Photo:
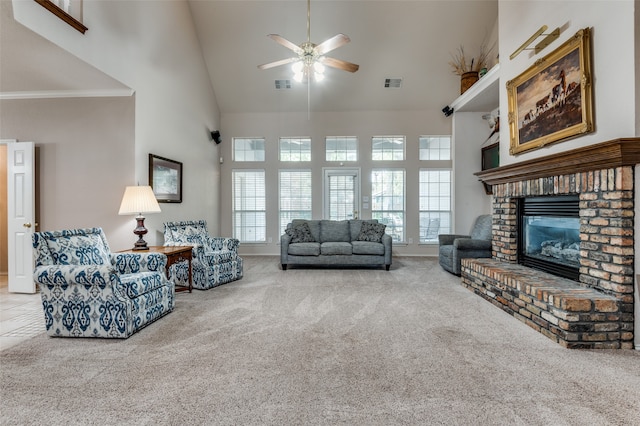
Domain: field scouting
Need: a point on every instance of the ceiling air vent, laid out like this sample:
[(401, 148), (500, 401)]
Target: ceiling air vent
[(283, 84), (392, 83)]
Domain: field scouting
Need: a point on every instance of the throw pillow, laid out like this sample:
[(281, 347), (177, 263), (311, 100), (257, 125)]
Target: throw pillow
[(300, 234), (371, 232)]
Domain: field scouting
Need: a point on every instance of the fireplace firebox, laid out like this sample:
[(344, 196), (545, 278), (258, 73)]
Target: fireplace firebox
[(549, 234)]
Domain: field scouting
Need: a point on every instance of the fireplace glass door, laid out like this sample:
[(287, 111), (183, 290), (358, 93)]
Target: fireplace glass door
[(550, 235)]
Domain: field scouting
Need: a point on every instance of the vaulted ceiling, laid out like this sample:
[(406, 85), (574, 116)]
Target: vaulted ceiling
[(411, 40)]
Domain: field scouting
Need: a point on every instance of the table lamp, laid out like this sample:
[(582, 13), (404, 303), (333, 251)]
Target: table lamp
[(139, 200)]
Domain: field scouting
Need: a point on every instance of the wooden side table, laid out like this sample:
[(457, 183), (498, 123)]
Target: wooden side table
[(174, 254)]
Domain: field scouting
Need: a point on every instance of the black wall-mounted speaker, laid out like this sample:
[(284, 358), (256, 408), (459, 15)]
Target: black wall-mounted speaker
[(215, 136)]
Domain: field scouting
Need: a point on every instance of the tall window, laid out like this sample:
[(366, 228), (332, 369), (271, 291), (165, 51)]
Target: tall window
[(341, 148), (295, 196), (387, 148), (387, 200), (435, 204), (295, 149), (249, 205), (248, 149), (435, 147), (435, 187)]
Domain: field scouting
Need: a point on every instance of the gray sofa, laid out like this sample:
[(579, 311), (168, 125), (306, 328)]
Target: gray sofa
[(335, 243)]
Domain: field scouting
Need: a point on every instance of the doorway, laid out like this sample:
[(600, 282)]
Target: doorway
[(341, 194)]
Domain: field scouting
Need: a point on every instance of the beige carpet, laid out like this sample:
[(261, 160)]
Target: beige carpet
[(315, 346)]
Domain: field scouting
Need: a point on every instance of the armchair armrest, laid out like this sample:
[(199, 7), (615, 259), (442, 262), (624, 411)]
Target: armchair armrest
[(222, 243), (448, 239), (131, 263), (471, 244), (87, 276)]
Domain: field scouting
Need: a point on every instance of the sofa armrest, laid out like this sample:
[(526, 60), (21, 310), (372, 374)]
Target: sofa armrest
[(285, 240), (448, 239), (387, 242), (131, 263), (471, 244)]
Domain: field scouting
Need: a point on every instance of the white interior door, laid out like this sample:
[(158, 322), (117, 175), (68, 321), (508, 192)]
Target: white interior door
[(21, 215), (341, 194)]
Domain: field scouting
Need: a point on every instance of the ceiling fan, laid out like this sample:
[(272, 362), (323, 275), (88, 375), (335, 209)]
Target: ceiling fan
[(310, 55)]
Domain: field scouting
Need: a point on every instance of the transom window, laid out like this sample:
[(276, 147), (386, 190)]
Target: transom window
[(387, 200), (341, 148), (387, 148), (249, 205), (295, 149), (435, 147), (295, 196), (248, 149)]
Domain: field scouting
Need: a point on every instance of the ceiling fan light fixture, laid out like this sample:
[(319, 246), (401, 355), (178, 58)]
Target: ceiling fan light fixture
[(318, 68), (297, 67)]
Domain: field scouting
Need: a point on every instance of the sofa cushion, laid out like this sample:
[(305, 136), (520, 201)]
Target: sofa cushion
[(304, 249), (371, 232), (334, 231), (367, 247), (335, 248), (314, 227), (300, 233)]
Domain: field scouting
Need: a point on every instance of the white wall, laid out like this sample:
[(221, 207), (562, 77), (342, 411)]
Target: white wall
[(85, 156), (152, 48), (363, 125), (614, 82)]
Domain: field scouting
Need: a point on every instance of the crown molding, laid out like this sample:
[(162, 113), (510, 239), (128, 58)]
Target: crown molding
[(48, 94)]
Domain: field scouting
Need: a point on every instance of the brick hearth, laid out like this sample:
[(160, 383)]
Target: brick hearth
[(597, 311)]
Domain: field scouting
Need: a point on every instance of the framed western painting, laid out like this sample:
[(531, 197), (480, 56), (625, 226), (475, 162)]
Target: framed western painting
[(165, 177), (552, 100)]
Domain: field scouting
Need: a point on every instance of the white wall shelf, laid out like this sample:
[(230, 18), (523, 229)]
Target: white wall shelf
[(483, 96)]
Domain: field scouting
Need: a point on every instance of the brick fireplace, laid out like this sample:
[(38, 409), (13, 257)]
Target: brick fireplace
[(596, 310)]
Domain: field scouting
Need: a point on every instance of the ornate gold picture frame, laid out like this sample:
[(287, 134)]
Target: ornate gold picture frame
[(552, 100)]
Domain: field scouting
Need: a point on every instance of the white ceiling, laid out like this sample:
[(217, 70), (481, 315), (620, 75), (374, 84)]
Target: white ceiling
[(412, 40)]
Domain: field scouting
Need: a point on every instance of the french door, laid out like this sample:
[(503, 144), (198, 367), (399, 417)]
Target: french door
[(341, 194)]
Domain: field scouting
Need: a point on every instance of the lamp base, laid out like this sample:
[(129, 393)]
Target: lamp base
[(140, 230)]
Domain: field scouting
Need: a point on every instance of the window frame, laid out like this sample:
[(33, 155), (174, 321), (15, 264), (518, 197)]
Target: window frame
[(393, 213), (282, 226), (234, 210)]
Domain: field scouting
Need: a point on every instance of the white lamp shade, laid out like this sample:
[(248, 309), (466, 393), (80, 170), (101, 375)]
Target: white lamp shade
[(139, 199)]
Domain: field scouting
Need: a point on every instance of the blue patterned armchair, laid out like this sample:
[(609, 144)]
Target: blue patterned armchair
[(215, 260), (87, 291)]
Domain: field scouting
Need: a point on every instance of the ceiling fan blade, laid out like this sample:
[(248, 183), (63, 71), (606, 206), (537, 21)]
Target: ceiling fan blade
[(286, 43), (277, 63), (332, 43), (340, 64)]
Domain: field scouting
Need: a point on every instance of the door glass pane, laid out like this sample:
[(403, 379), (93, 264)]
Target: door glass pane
[(341, 197)]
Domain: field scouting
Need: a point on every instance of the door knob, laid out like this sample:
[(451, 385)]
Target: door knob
[(27, 225)]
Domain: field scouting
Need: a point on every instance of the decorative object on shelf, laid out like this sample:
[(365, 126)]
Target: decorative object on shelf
[(552, 100), (139, 200), (467, 80), (468, 72), (544, 43), (165, 177)]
